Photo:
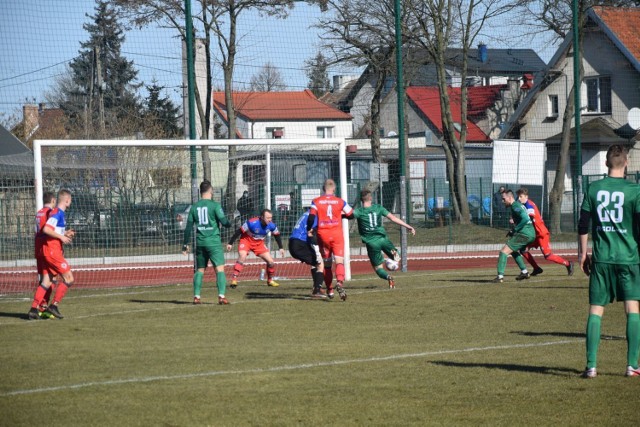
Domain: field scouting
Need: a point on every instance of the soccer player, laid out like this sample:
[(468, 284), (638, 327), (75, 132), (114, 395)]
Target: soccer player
[(612, 204), (305, 248), (374, 236), (208, 216), (253, 232), (520, 236), (53, 255), (328, 210), (48, 204), (542, 237)]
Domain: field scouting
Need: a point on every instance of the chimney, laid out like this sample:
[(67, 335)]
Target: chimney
[(482, 53), (30, 118)]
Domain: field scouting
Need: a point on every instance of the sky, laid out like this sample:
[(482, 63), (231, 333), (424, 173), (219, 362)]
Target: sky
[(38, 39)]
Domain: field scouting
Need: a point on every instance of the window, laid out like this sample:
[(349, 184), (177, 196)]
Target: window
[(553, 109), (596, 95), (324, 132), (275, 133)]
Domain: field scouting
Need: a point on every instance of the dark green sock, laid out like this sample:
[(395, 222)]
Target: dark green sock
[(382, 273), (502, 263), (593, 339), (221, 281), (197, 283), (518, 259), (633, 339)]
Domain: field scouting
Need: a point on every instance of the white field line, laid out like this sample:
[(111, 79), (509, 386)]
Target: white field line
[(140, 380)]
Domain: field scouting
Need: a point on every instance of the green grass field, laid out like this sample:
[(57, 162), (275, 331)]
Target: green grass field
[(444, 348)]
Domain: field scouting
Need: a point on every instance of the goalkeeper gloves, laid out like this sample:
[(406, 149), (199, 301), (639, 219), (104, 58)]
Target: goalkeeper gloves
[(511, 233)]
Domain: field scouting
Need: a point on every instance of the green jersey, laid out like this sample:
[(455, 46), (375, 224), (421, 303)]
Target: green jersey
[(370, 222), (612, 204), (207, 215), (521, 220)]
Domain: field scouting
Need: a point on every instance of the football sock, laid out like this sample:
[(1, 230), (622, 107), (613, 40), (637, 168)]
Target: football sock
[(61, 290), (237, 269), (318, 278), (527, 255), (328, 277), (557, 259), (197, 283), (382, 273), (633, 339), (47, 295), (39, 296), (340, 272), (518, 259), (502, 263), (271, 271), (221, 281), (593, 339)]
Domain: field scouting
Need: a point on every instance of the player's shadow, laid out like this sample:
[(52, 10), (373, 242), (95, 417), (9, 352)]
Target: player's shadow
[(510, 367), (15, 315), (265, 295), (158, 301), (561, 287), (565, 335)]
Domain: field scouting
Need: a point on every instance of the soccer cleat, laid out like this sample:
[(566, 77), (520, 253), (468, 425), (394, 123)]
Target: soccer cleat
[(233, 284), (223, 301), (537, 271), (498, 279), (392, 283), (318, 293), (273, 284), (34, 314), (196, 300), (53, 310), (330, 293), (589, 373), (341, 292), (570, 268), (631, 372), (523, 276)]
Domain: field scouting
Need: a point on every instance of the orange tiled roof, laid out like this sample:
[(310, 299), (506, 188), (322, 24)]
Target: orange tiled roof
[(263, 106), (624, 23)]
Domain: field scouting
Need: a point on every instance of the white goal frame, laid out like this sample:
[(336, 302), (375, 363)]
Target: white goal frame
[(318, 143)]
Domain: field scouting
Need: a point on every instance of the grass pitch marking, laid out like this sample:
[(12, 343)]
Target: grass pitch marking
[(283, 368)]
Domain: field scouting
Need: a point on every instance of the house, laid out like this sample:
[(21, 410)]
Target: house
[(16, 161), (283, 115), (611, 62), (40, 122), (486, 67)]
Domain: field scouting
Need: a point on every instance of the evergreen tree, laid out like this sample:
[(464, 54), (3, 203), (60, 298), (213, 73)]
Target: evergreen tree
[(317, 72), (161, 113), (104, 82)]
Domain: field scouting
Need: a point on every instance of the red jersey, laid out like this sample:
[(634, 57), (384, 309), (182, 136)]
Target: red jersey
[(329, 209), (536, 218), (41, 219)]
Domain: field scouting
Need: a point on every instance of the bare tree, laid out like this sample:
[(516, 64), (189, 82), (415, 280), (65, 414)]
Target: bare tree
[(436, 25), (362, 33), (268, 79)]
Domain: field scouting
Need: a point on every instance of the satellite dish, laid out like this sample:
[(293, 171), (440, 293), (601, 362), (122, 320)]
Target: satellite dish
[(633, 118)]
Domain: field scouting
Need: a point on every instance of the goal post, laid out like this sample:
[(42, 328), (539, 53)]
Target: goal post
[(130, 196)]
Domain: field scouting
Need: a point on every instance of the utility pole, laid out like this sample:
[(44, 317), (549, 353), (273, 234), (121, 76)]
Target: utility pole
[(100, 91)]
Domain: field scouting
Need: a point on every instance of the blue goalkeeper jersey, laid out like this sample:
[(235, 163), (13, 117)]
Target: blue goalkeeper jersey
[(300, 230)]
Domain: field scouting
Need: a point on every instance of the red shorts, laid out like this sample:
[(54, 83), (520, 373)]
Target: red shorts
[(252, 245), (332, 243), (54, 262), (543, 243)]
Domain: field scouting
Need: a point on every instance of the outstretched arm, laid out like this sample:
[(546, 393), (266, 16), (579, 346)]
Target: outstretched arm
[(398, 221)]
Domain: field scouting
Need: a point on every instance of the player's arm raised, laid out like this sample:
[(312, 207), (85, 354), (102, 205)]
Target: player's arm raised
[(398, 221)]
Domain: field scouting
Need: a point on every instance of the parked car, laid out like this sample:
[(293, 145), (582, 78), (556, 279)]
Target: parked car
[(153, 223)]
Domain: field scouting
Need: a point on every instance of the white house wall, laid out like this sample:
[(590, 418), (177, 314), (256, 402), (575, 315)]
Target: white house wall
[(305, 130)]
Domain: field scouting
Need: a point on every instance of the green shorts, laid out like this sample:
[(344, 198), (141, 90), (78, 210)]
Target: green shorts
[(375, 247), (613, 282), (206, 253), (519, 241)]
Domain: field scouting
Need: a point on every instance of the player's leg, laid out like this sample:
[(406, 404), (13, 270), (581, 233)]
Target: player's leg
[(545, 247), (629, 291), (526, 254), (327, 260), (503, 256), (243, 251), (517, 243), (600, 281), (198, 277), (39, 295), (216, 256), (271, 266)]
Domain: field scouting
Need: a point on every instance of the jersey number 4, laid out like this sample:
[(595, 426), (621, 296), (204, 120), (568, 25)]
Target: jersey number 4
[(605, 212)]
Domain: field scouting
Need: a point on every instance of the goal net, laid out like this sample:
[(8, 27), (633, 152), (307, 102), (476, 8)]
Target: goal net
[(131, 198)]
